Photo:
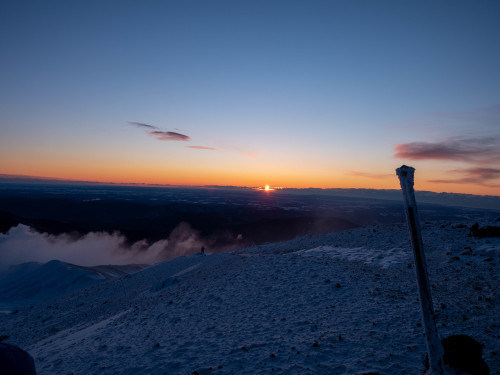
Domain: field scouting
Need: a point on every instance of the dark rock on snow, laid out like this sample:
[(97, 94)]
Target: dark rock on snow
[(486, 231), (15, 361), (463, 355)]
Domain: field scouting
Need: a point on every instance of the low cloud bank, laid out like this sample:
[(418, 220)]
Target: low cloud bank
[(24, 244)]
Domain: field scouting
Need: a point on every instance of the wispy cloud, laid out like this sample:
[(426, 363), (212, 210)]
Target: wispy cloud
[(475, 150), (142, 125), (202, 148), (482, 155), (472, 150), (161, 135), (482, 173), (477, 175), (169, 136)]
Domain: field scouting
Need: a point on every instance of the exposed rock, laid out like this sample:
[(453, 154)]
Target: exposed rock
[(15, 361), (486, 231), (463, 355)]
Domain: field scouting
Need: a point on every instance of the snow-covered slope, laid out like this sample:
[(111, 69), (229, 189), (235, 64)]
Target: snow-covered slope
[(340, 303), (29, 282)]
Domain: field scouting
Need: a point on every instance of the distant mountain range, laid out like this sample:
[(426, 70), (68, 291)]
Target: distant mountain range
[(447, 199)]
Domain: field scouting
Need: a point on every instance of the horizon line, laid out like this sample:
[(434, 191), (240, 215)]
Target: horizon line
[(143, 184)]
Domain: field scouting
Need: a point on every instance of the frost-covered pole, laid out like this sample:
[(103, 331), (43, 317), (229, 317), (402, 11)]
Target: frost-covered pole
[(434, 347)]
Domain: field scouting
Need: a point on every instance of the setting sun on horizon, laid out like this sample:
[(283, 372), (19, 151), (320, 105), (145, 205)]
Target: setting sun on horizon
[(298, 94)]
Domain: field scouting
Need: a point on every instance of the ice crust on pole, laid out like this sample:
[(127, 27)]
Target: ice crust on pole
[(434, 347)]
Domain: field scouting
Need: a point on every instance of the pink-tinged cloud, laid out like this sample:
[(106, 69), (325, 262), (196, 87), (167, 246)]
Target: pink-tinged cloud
[(168, 136), (202, 148), (482, 173), (160, 134), (484, 150), (478, 176)]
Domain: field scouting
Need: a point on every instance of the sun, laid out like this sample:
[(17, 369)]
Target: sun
[(267, 188)]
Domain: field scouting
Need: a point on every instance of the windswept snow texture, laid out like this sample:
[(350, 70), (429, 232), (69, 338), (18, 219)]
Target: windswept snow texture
[(29, 282), (339, 303)]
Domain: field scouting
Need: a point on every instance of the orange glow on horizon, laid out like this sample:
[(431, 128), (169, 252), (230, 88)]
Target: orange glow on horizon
[(157, 168), (178, 176)]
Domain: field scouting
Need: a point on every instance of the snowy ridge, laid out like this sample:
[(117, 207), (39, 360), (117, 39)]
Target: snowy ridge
[(331, 304), (29, 282), (113, 271)]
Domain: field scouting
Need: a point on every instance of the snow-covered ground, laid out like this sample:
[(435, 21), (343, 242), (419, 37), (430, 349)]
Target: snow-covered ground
[(340, 303), (31, 282)]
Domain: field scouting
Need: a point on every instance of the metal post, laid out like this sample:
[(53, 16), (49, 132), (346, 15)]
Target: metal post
[(434, 347)]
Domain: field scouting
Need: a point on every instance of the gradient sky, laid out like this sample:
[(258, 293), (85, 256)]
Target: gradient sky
[(286, 93)]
